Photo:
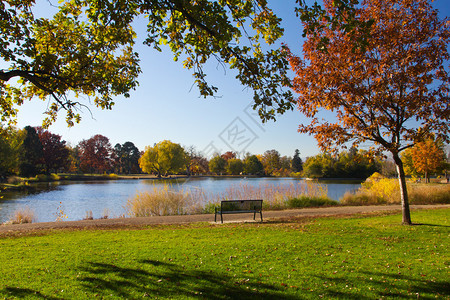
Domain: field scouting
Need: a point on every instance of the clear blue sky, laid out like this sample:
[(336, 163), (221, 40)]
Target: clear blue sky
[(166, 105)]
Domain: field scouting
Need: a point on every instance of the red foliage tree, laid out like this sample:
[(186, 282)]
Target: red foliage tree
[(95, 154), (55, 151), (229, 155), (393, 93)]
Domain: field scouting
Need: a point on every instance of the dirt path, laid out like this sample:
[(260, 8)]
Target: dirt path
[(267, 215)]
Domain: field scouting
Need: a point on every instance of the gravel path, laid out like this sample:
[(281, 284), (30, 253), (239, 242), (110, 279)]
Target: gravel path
[(144, 221)]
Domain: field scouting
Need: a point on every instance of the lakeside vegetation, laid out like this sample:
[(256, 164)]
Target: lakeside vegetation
[(169, 200), (358, 257)]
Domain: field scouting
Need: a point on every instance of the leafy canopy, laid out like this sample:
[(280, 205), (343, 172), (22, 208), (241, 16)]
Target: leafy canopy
[(393, 92), (164, 158), (86, 50)]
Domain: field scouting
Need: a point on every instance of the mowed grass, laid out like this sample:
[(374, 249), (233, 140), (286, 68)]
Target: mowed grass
[(353, 258)]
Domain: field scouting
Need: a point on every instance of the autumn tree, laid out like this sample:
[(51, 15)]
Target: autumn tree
[(11, 141), (393, 93), (164, 158), (95, 154), (74, 165), (229, 155), (271, 161), (234, 166), (424, 158), (217, 164), (87, 48), (197, 163), (55, 153)]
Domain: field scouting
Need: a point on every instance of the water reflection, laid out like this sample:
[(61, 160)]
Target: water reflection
[(110, 197)]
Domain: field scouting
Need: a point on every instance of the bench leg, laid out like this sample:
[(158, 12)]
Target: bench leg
[(261, 215), (215, 217), (221, 217)]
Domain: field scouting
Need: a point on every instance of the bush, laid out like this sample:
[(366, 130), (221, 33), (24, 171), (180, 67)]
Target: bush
[(22, 216), (113, 176)]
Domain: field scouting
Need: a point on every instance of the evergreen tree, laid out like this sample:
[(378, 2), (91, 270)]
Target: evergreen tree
[(32, 153), (297, 163)]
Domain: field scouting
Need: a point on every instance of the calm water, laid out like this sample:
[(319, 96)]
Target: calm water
[(110, 197)]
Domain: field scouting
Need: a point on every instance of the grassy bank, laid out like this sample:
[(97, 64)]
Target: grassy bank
[(353, 258)]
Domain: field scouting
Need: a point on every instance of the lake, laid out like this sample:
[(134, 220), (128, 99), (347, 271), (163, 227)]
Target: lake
[(110, 197)]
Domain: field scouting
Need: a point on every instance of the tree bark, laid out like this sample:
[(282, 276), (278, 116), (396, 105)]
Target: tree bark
[(406, 215)]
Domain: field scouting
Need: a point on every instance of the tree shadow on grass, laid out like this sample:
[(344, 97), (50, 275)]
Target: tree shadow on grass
[(387, 285), (431, 225), (15, 292), (172, 280)]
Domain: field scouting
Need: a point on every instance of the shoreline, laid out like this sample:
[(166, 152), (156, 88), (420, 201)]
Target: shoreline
[(288, 215)]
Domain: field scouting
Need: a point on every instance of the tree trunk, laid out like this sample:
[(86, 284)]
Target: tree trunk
[(403, 191)]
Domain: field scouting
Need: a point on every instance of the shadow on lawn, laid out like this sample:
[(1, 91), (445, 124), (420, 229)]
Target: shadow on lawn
[(431, 225), (387, 285), (171, 280), (15, 292)]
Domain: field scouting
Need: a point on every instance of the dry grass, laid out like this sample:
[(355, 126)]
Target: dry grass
[(164, 201), (161, 202), (274, 196), (387, 191), (21, 216)]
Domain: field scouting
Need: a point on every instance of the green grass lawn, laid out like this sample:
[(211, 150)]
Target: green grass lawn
[(352, 258)]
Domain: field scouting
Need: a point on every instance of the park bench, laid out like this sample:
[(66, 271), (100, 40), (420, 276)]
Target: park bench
[(238, 206)]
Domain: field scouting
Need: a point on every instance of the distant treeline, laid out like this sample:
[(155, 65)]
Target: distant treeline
[(33, 150)]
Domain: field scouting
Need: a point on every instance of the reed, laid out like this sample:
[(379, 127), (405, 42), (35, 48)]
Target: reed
[(21, 216), (164, 201)]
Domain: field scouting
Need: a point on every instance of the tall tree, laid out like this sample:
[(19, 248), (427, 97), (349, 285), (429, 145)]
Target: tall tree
[(234, 166), (297, 163), (127, 158), (87, 48), (11, 141), (424, 158), (229, 155), (253, 166), (392, 93), (95, 154), (197, 163), (164, 158), (31, 153), (217, 164), (271, 161), (55, 153)]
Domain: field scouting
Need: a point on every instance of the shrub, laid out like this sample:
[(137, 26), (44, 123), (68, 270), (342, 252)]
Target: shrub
[(54, 177), (113, 176), (22, 215)]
